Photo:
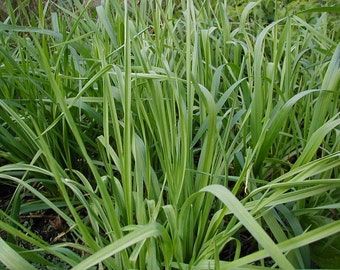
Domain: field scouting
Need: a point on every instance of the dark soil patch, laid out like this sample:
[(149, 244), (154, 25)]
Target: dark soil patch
[(45, 224), (6, 193)]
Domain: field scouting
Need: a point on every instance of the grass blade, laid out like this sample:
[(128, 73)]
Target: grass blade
[(12, 259), (248, 221), (140, 234)]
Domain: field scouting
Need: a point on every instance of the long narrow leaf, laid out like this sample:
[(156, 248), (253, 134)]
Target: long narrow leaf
[(140, 234), (248, 221), (12, 259)]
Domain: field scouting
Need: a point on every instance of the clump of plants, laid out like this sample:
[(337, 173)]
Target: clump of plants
[(185, 135)]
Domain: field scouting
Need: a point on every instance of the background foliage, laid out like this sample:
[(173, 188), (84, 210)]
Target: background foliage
[(177, 135)]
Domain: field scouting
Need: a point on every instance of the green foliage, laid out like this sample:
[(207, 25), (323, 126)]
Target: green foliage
[(185, 135), (325, 252)]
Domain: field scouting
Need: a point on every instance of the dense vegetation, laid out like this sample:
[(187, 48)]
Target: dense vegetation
[(170, 135)]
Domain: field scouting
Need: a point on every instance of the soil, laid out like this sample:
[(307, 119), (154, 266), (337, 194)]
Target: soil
[(45, 224)]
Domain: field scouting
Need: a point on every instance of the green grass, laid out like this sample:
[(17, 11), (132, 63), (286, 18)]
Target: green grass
[(185, 135)]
